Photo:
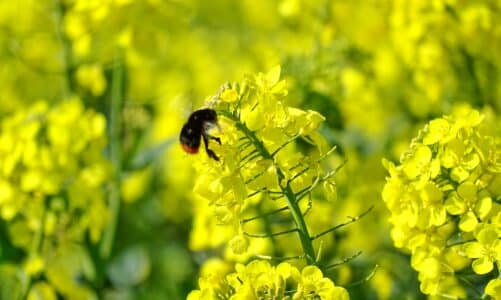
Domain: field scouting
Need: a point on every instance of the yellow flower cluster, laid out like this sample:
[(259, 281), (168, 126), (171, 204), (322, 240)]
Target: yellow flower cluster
[(260, 280), (255, 120), (52, 174), (260, 161), (84, 17), (444, 200), (443, 44), (264, 189)]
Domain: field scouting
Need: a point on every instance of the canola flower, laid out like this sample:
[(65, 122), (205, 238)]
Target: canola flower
[(260, 280), (51, 190), (444, 200), (261, 163)]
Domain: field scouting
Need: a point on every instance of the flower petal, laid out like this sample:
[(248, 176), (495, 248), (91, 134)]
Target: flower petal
[(493, 288), (483, 207), (473, 250), (482, 265), (487, 235), (468, 222)]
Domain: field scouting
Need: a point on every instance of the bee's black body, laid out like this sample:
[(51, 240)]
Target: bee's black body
[(197, 127)]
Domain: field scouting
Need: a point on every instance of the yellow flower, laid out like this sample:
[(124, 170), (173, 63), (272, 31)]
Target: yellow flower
[(256, 280), (135, 184), (239, 244), (229, 95), (437, 131), (91, 77), (472, 207), (270, 82), (312, 283), (42, 290), (486, 251), (34, 265), (461, 158), (493, 289), (421, 164)]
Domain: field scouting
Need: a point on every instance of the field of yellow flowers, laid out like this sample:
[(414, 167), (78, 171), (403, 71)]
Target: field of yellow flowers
[(356, 152)]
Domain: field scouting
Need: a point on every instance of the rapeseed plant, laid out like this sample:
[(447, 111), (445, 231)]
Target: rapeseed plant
[(264, 165), (444, 201), (53, 174)]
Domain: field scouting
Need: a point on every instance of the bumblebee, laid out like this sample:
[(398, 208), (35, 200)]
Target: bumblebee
[(197, 128)]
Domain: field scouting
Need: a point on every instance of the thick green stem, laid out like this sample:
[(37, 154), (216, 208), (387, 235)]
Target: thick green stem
[(292, 203), (115, 153), (304, 235)]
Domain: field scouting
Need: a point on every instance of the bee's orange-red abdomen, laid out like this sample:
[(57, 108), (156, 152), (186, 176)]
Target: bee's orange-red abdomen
[(188, 149)]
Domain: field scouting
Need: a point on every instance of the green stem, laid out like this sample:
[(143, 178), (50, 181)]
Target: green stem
[(292, 203), (473, 287), (67, 86), (304, 235), (115, 153), (36, 247), (476, 89)]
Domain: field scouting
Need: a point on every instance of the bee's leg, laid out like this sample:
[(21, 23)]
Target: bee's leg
[(206, 129), (218, 140), (209, 151)]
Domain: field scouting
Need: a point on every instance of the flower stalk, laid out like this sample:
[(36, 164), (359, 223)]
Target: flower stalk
[(115, 152), (292, 203)]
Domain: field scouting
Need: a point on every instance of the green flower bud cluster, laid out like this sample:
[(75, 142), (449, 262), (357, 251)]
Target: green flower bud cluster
[(444, 201)]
